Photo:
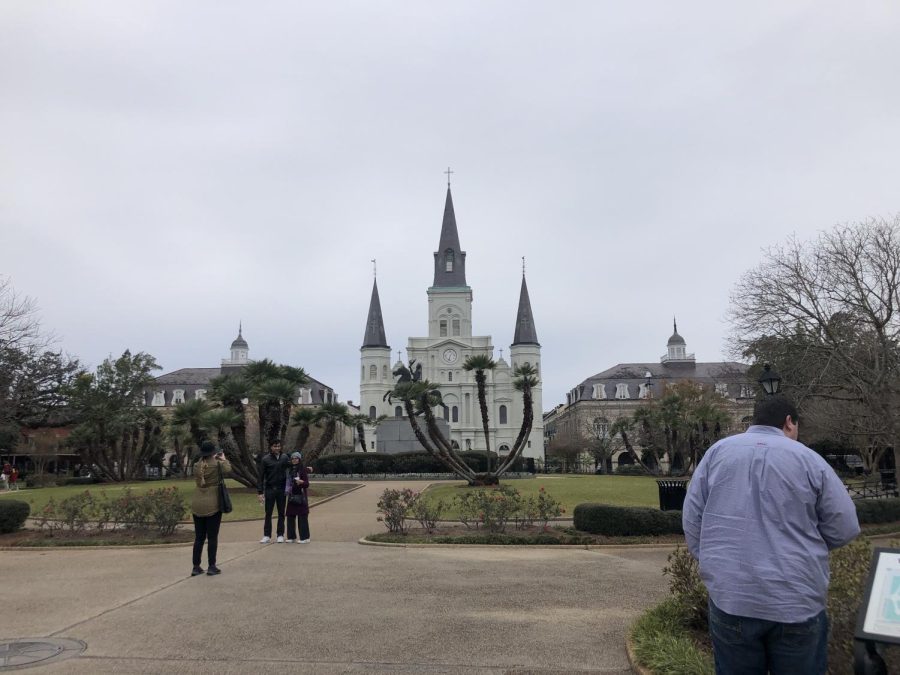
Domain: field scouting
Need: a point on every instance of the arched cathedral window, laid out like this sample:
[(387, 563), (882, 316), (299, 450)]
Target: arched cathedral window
[(373, 372), (449, 258)]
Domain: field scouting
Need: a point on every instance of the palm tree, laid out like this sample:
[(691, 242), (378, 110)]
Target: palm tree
[(360, 421), (220, 422), (273, 388), (304, 418), (420, 398), (479, 364), (190, 414), (329, 414), (525, 378)]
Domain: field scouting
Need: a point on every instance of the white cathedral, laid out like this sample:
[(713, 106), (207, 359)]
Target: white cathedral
[(442, 354)]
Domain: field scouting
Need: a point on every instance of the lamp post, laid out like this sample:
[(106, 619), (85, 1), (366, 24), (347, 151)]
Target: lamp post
[(770, 380)]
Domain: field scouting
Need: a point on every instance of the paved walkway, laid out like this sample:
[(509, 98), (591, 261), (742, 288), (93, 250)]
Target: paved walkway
[(333, 606)]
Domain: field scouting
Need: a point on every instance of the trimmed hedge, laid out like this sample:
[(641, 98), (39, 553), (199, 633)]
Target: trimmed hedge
[(407, 462), (871, 511), (626, 521), (81, 480), (12, 514), (630, 470)]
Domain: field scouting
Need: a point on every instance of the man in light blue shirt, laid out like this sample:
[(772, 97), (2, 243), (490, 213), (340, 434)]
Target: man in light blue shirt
[(761, 513)]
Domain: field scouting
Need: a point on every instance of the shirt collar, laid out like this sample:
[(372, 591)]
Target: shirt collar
[(763, 429)]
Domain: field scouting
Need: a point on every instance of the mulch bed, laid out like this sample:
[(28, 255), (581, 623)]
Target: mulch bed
[(37, 538), (535, 535)]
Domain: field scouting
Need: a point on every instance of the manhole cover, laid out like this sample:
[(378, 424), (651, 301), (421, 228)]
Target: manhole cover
[(24, 653)]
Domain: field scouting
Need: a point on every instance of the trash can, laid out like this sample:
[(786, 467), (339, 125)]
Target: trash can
[(672, 492)]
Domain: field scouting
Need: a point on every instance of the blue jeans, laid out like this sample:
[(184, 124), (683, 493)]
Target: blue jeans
[(745, 646)]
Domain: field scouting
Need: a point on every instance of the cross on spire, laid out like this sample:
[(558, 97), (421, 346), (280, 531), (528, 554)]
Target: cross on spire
[(523, 265), (374, 268), (448, 172)]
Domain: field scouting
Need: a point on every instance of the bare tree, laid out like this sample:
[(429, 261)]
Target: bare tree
[(20, 326), (828, 311)]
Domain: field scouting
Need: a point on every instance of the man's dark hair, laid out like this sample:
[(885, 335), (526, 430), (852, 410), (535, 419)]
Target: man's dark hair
[(771, 411), (274, 441)]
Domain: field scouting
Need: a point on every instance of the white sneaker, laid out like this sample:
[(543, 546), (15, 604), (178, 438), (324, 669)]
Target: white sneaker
[(265, 540), (304, 541), (280, 540), (291, 541)]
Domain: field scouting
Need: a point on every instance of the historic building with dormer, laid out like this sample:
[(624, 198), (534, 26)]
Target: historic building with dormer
[(595, 403), (185, 384), (443, 350)]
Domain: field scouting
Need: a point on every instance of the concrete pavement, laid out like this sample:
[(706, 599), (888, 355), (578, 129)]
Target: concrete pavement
[(333, 606)]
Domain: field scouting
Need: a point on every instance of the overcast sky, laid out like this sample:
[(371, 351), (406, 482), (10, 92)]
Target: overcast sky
[(170, 168)]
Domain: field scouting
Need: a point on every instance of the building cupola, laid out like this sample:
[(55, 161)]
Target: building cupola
[(676, 348)]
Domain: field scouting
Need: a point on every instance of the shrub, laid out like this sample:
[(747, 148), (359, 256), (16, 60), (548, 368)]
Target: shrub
[(74, 512), (490, 509), (161, 509), (548, 507), (129, 511), (626, 521), (407, 462), (870, 511), (687, 588), (13, 514), (630, 470), (165, 508), (40, 480), (80, 480), (427, 512), (394, 506)]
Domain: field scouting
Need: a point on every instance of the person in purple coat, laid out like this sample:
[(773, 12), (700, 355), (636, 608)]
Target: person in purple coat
[(296, 483)]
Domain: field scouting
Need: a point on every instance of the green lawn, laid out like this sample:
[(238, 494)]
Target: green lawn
[(571, 490), (244, 499)]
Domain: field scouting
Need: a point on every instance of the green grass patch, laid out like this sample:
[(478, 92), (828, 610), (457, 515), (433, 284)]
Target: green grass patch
[(246, 505), (569, 490), (663, 643)]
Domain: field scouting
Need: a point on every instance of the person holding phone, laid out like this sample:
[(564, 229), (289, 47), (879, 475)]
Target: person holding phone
[(297, 511), (209, 470)]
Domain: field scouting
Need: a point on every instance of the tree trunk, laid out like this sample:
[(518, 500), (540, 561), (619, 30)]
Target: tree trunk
[(482, 403)]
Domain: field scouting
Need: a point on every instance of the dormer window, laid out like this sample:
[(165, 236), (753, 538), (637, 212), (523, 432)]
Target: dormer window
[(599, 392), (722, 389), (622, 391), (449, 259)]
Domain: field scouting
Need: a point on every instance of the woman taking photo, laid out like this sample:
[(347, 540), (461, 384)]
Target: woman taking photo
[(297, 500), (209, 472)]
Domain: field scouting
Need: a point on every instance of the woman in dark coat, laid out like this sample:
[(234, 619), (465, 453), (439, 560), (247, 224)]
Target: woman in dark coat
[(296, 483)]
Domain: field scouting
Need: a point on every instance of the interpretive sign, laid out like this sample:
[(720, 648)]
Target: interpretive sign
[(879, 614)]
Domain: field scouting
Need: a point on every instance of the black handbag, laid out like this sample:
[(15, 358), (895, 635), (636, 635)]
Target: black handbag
[(224, 497), (299, 497)]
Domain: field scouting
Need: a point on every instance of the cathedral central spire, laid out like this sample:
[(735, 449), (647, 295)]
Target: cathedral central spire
[(449, 259)]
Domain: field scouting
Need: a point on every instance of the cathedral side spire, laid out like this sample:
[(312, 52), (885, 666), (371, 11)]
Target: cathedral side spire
[(526, 333), (449, 259), (375, 336)]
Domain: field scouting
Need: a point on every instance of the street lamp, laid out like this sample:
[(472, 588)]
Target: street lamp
[(770, 380)]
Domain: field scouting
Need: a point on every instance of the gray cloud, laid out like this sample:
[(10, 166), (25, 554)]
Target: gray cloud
[(170, 168)]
